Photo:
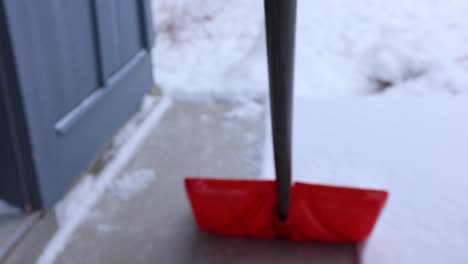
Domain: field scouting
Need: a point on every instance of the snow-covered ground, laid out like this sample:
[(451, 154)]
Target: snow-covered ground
[(216, 48), (201, 45), (416, 149), (345, 46)]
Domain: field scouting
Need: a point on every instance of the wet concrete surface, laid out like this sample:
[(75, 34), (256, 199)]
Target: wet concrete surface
[(153, 223)]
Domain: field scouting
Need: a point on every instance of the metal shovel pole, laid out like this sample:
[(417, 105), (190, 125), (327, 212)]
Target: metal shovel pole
[(280, 17)]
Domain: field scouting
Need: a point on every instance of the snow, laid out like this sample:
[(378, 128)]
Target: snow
[(343, 46), (131, 183), (6, 208), (199, 44), (414, 148), (74, 210), (215, 49), (65, 210), (246, 110)]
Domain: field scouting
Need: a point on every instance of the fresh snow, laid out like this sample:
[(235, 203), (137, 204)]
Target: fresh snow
[(344, 46), (211, 49), (201, 43), (416, 149)]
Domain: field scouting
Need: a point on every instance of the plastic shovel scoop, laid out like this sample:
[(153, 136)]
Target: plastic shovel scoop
[(268, 209)]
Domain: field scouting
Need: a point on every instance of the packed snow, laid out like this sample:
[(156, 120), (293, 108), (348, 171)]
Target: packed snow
[(66, 210), (131, 183), (245, 110)]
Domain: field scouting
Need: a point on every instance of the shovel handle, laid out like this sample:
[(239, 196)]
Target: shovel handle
[(280, 17)]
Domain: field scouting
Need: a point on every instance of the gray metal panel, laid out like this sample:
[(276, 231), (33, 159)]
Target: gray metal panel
[(94, 129), (62, 50), (120, 32), (53, 90), (77, 47), (130, 28)]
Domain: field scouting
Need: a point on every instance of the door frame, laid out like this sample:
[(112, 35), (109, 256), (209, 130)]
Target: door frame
[(15, 136)]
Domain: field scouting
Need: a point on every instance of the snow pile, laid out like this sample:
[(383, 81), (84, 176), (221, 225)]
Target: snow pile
[(6, 208), (347, 47), (212, 48)]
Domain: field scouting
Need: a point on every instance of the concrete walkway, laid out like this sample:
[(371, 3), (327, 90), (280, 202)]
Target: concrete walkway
[(145, 217)]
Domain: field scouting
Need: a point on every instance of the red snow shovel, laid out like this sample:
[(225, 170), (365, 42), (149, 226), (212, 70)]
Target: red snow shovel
[(277, 209)]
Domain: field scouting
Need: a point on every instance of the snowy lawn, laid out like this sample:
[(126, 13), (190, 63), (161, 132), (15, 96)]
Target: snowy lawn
[(216, 48), (348, 47)]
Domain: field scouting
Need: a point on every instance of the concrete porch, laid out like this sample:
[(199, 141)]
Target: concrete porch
[(151, 222)]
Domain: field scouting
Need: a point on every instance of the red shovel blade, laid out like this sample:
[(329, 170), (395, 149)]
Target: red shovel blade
[(247, 208)]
